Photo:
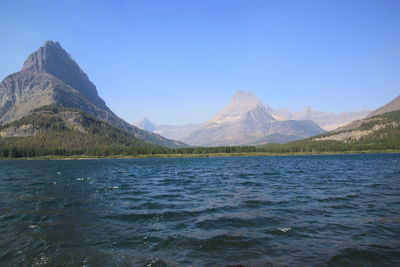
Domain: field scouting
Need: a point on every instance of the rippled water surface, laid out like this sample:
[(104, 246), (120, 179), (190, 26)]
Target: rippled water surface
[(257, 211)]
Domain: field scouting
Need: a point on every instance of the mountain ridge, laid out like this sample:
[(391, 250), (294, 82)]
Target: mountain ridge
[(391, 106)]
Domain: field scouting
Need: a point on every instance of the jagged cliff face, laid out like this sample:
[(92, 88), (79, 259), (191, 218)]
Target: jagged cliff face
[(246, 121), (51, 77)]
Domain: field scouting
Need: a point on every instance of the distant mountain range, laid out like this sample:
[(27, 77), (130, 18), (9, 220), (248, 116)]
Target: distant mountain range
[(381, 124), (381, 127), (327, 121), (51, 77), (245, 121), (379, 131), (233, 126), (51, 101)]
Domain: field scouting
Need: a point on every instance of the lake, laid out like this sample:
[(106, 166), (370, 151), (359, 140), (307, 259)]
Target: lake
[(328, 210)]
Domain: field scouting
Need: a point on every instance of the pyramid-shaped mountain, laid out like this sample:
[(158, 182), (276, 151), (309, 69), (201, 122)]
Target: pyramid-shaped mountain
[(51, 77), (246, 121)]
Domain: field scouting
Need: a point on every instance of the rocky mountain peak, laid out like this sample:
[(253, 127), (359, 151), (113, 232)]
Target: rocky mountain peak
[(46, 57), (240, 104), (51, 58), (245, 100)]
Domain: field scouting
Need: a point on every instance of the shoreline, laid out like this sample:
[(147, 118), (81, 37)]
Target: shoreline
[(205, 155)]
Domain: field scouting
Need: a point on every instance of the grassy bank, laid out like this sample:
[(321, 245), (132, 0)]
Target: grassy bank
[(203, 155)]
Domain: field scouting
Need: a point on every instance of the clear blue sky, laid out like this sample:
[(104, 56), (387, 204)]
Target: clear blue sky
[(180, 61)]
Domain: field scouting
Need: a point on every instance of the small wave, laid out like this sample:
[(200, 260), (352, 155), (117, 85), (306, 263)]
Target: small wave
[(284, 229), (340, 207), (223, 223), (167, 215), (107, 188), (223, 241), (257, 203), (249, 183), (41, 261), (167, 196), (237, 223), (245, 175), (112, 187), (338, 198), (156, 205), (83, 178), (270, 173), (295, 171), (152, 216), (376, 256), (155, 263)]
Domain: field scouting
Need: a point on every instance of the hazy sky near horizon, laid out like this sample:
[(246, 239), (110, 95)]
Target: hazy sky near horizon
[(180, 61)]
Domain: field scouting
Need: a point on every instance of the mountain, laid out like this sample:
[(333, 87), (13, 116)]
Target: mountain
[(391, 106), (177, 132), (245, 121), (327, 121), (241, 103), (145, 124), (378, 133), (51, 77), (365, 129), (245, 101), (54, 130)]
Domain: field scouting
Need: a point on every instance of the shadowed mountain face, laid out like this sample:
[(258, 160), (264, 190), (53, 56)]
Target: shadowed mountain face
[(246, 121), (393, 105), (51, 77)]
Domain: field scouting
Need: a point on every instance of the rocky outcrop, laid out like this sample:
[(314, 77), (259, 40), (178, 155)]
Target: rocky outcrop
[(20, 131), (42, 121)]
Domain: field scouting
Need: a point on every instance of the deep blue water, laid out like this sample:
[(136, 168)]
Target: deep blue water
[(257, 211)]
